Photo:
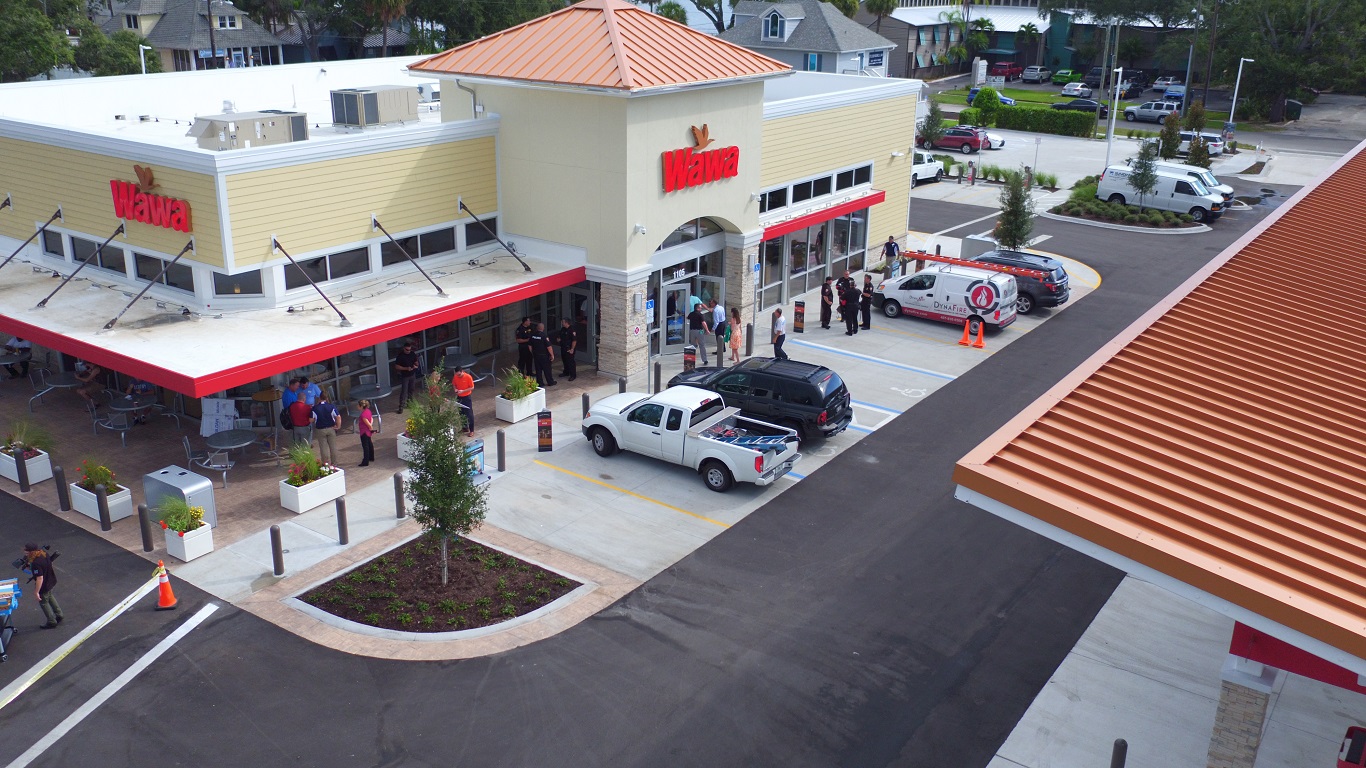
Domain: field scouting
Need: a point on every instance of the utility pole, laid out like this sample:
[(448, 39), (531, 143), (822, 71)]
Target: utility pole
[(1190, 57), (213, 47), (1209, 59), (1104, 66)]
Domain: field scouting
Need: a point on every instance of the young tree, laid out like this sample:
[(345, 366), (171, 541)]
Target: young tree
[(1016, 221), (1143, 177), (29, 44), (1195, 117), (1198, 154), (933, 129), (881, 9), (1132, 49), (446, 501), (847, 7), (988, 103), (1028, 35), (672, 11), (1171, 136)]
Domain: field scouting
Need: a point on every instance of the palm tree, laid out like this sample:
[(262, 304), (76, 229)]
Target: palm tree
[(670, 9), (957, 51), (387, 11), (880, 8), (1028, 34)]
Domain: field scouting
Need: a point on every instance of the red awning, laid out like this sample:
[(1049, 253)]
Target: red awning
[(254, 370), (801, 222)]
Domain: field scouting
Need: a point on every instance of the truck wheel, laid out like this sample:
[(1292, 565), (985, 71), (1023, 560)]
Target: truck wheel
[(1024, 303), (974, 323), (603, 442), (939, 175), (1117, 199), (914, 181), (1199, 214), (716, 476), (1130, 116), (891, 308), (965, 149)]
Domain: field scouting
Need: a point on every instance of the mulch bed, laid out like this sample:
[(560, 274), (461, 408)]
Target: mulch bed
[(1107, 220), (402, 589)]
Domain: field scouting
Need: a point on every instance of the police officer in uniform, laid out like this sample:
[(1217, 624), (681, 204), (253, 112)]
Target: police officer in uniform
[(842, 288), (568, 339), (827, 302), (865, 302), (851, 300), (542, 354), (524, 356)]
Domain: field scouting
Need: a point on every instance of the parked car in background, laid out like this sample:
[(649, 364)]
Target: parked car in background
[(963, 139), (925, 168), (1130, 90), (1006, 100), (1032, 292), (1172, 192), (1138, 77), (995, 140), (1095, 77), (807, 398), (1077, 90), (1036, 75), (1214, 141), (1007, 69), (1064, 76), (1084, 105), (1176, 93), (1163, 83), (1207, 178), (1154, 111)]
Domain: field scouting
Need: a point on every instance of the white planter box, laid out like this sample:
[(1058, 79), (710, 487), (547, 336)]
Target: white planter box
[(514, 411), (39, 468), (193, 544), (405, 448), (120, 504), (315, 494)]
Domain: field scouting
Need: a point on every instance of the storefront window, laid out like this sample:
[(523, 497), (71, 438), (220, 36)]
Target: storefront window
[(178, 276), (858, 239), (477, 235), (713, 264), (313, 268), (485, 330), (390, 253), (772, 274), (440, 241), (52, 243), (346, 263), (244, 283), (111, 258)]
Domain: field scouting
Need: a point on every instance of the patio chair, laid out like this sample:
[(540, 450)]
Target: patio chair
[(243, 424), (117, 421), (217, 461), (488, 374), (191, 455), (94, 412), (368, 378)]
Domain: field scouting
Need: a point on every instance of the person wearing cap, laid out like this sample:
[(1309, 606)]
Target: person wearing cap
[(405, 363), (463, 384), (568, 339), (37, 563)]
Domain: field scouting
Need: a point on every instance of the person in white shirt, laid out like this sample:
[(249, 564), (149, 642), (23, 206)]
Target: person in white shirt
[(718, 326), (24, 349), (779, 334)]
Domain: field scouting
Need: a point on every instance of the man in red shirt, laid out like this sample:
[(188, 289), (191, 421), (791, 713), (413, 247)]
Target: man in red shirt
[(463, 383), (301, 417)]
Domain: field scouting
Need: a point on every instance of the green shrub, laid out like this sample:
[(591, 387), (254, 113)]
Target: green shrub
[(1156, 218), (1186, 218), (1043, 120), (1170, 216), (970, 116), (1083, 193), (1057, 209), (1049, 180), (1131, 218), (947, 161), (1083, 181), (1117, 210)]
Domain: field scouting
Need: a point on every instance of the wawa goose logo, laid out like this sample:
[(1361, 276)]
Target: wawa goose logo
[(693, 167), (135, 200)]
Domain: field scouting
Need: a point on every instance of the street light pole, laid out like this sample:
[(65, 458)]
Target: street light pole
[(1114, 111), (1234, 107), (143, 49)]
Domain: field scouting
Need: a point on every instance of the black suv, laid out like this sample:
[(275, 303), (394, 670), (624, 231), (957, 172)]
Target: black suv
[(1094, 78), (811, 399), (1033, 292)]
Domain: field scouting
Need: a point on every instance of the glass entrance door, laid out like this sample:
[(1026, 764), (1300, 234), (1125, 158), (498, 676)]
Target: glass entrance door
[(581, 310), (674, 315)]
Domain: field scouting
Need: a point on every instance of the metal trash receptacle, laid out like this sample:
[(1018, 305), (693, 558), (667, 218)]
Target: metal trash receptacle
[(1293, 109), (181, 483)]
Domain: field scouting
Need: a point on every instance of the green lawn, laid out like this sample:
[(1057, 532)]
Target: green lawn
[(1029, 98)]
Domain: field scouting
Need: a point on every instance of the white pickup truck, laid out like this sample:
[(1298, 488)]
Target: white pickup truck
[(693, 427)]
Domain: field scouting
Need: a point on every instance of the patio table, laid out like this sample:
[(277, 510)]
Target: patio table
[(63, 380)]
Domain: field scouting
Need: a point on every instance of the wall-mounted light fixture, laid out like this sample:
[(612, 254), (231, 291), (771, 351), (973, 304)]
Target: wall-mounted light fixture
[(756, 197), (640, 229), (898, 154)]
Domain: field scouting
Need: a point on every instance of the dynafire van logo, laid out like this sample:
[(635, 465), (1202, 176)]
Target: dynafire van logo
[(983, 296), (134, 200), (691, 167)]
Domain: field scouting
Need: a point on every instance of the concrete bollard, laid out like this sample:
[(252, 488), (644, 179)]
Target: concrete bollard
[(277, 551), (749, 339), (585, 405), (502, 451), (102, 504), (1120, 754), (145, 527), (621, 384), (63, 490), (659, 376), (21, 466), (400, 503), (343, 535)]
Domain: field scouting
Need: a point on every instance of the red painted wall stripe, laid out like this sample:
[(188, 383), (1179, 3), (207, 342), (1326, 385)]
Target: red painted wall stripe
[(801, 222), (1249, 643), (254, 370)]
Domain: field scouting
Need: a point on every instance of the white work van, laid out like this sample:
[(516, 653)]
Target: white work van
[(1178, 193), (1203, 174), (952, 294)]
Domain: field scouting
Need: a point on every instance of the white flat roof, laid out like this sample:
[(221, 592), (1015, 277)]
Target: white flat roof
[(803, 92), (1005, 19)]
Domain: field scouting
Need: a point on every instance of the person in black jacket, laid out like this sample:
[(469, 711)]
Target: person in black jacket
[(37, 563), (568, 339), (827, 302), (543, 353), (525, 360), (851, 299), (865, 302)]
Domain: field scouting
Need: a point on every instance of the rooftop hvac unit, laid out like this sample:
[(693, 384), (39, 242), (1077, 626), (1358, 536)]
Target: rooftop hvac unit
[(364, 107), (240, 130)]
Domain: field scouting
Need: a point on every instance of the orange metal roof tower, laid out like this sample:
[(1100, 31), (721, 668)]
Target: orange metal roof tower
[(603, 44)]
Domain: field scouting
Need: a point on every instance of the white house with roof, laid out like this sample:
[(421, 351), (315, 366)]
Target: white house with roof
[(810, 36)]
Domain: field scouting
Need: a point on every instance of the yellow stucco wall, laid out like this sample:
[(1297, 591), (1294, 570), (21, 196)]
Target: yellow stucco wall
[(810, 144), (41, 177), (320, 205)]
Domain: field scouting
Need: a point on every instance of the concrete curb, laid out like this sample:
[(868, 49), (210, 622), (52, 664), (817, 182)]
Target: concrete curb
[(1124, 227)]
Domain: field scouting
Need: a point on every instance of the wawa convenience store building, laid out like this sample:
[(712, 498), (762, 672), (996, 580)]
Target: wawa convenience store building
[(600, 164)]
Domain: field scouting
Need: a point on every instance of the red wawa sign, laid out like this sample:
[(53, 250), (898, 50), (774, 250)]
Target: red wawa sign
[(691, 167), (135, 201)]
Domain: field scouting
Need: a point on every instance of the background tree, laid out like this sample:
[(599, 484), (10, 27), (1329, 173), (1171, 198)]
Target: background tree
[(29, 43), (446, 501), (1016, 222), (715, 11), (673, 11), (385, 12), (881, 9), (1170, 138), (1198, 153), (1029, 34), (979, 35), (1143, 176), (1131, 49), (988, 104), (933, 129), (1195, 119), (847, 7)]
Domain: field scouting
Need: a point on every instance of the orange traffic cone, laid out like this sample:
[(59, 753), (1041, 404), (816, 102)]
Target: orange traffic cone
[(967, 337), (165, 597), (981, 328)]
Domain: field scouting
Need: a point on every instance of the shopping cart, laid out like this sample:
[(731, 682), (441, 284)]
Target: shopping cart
[(9, 600)]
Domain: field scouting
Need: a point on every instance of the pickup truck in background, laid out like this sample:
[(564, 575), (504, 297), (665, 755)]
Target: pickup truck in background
[(1007, 69), (693, 427)]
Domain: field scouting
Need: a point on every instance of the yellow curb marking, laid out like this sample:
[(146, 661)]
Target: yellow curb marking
[(631, 493)]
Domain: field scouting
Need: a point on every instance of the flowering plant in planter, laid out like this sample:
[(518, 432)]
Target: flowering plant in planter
[(408, 426), (93, 474), (517, 385), (177, 515), (305, 467), (32, 437)]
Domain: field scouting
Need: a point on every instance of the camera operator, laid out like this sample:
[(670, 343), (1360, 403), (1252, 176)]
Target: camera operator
[(37, 563)]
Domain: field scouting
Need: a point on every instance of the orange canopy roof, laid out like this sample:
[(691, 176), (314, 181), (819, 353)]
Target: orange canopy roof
[(1221, 439), (603, 44)]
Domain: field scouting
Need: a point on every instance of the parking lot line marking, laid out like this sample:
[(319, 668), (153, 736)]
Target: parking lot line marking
[(619, 489), (871, 359), (879, 408), (944, 342), (21, 684), (795, 475), (968, 223), (107, 692), (864, 430)]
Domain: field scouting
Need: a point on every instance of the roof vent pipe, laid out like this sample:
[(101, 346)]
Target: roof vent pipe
[(475, 109)]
